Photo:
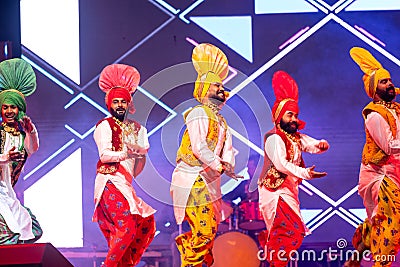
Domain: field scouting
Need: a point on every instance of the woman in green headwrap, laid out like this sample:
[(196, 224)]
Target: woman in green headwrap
[(18, 139)]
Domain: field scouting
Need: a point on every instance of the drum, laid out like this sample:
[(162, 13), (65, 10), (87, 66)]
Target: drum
[(250, 217), (235, 249), (226, 218)]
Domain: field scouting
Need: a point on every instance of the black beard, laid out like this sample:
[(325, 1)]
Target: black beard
[(218, 98), (289, 127), (385, 95), (120, 117)]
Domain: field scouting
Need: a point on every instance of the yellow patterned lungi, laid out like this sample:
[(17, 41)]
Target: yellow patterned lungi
[(196, 245), (382, 236)]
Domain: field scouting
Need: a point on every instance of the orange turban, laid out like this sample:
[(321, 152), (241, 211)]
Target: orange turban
[(373, 70), (211, 65), (286, 93), (118, 81)]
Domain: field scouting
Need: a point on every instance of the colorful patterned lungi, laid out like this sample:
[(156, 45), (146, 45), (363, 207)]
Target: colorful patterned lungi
[(286, 235), (196, 245), (8, 238), (128, 235), (382, 236)]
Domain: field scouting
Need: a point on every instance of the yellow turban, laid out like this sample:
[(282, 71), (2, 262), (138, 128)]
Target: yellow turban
[(373, 70), (211, 66)]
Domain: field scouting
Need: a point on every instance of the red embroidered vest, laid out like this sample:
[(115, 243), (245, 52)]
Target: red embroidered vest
[(116, 141), (270, 177)]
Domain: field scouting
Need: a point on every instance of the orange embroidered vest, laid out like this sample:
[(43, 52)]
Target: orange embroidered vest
[(371, 152), (185, 152), (270, 177)]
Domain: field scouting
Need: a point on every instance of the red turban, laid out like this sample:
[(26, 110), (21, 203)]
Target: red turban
[(118, 81), (118, 92), (287, 96)]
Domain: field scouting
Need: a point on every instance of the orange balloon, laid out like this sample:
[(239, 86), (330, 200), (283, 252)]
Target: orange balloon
[(235, 249)]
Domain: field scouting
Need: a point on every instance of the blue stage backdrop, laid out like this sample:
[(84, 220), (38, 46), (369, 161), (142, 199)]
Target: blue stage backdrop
[(68, 42)]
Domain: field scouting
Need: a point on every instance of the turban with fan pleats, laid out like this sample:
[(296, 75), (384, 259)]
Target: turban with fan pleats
[(287, 97), (17, 80), (211, 65), (119, 81), (373, 70)]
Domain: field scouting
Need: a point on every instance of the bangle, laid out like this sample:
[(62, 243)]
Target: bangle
[(220, 168)]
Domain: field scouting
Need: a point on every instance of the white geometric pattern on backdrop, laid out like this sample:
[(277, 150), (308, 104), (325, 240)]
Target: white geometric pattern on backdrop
[(40, 36), (313, 218)]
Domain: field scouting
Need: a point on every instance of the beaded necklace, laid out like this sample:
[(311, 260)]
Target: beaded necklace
[(121, 124), (127, 129), (9, 129), (389, 105), (213, 107), (386, 104)]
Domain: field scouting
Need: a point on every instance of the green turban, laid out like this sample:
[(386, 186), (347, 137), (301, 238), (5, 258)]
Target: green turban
[(17, 80)]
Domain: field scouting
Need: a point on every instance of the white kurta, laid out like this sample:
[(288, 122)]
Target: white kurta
[(289, 190), (372, 175), (102, 137), (16, 216), (185, 175)]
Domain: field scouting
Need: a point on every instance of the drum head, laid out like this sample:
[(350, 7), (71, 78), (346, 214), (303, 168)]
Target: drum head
[(235, 249), (250, 216), (252, 225)]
